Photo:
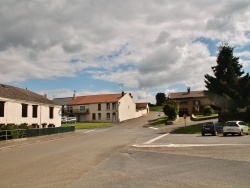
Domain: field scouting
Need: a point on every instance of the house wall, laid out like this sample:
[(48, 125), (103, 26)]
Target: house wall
[(93, 112), (192, 106), (13, 114), (127, 108)]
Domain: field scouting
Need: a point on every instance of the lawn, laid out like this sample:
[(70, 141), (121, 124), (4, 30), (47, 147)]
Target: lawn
[(193, 129), (159, 122), (156, 108), (90, 125), (202, 116)]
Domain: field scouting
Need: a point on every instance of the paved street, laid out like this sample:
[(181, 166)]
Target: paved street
[(126, 155)]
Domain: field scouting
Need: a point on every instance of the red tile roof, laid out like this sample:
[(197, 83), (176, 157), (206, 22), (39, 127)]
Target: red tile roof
[(93, 99), (191, 94), (141, 105)]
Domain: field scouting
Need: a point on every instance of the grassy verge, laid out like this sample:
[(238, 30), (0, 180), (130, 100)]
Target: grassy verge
[(90, 125), (202, 116), (156, 108), (193, 129), (159, 122)]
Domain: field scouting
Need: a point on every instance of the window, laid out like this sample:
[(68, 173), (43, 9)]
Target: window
[(183, 103), (99, 107), (51, 112), (196, 103), (82, 108), (113, 106), (108, 106), (70, 109), (99, 116), (108, 115), (93, 116), (34, 111), (24, 110), (2, 109)]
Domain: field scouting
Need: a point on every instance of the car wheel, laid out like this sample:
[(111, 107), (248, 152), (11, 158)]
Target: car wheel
[(215, 133), (203, 134), (241, 133), (224, 134)]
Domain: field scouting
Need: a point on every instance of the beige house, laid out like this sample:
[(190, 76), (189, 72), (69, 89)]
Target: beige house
[(103, 108), (21, 106), (190, 102)]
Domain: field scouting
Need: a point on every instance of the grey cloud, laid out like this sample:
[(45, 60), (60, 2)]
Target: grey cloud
[(71, 47), (162, 38)]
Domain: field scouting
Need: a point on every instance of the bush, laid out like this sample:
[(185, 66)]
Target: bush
[(170, 111), (207, 111)]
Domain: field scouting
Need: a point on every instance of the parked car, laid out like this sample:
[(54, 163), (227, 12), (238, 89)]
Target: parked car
[(235, 127), (71, 120), (64, 119), (211, 128)]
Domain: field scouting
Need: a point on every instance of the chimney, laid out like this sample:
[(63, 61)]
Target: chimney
[(74, 95), (123, 93), (188, 89)]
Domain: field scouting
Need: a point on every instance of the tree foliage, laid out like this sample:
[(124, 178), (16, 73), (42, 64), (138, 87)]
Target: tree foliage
[(160, 99), (228, 89), (207, 111), (171, 109)]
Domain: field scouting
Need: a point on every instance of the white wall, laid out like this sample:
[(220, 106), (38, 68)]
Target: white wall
[(127, 108), (13, 113)]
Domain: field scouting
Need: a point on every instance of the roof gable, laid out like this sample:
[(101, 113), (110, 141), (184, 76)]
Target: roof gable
[(11, 92), (92, 99)]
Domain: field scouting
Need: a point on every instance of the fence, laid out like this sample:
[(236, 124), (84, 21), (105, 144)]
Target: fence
[(23, 133)]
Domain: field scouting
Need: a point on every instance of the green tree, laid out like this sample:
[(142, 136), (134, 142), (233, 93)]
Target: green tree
[(207, 111), (171, 109), (226, 88), (160, 99)]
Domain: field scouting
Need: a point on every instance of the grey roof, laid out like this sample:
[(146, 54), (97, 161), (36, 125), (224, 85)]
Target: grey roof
[(11, 92), (62, 101)]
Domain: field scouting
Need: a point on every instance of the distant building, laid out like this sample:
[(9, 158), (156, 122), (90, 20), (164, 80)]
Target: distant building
[(103, 108), (190, 102), (21, 106)]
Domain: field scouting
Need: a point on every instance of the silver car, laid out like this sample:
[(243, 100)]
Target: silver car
[(235, 127)]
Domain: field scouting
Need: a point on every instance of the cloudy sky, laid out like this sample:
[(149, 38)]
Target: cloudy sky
[(106, 46)]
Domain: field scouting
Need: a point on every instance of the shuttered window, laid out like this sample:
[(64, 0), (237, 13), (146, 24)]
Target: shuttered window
[(2, 109)]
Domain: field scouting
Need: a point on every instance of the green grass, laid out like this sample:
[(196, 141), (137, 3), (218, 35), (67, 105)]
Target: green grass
[(160, 121), (193, 129), (156, 108), (202, 116), (90, 125)]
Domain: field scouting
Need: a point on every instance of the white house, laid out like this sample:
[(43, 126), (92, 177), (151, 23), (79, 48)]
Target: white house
[(21, 106), (103, 108)]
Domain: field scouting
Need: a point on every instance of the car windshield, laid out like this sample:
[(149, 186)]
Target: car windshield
[(230, 124), (208, 124)]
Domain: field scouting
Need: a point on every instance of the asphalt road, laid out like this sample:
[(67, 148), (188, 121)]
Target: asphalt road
[(127, 155)]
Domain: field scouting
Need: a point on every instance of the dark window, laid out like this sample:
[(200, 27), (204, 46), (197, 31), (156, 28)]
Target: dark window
[(196, 103), (108, 106), (2, 109), (51, 112), (93, 116), (108, 116), (99, 116), (113, 106), (99, 107), (34, 111), (24, 110)]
